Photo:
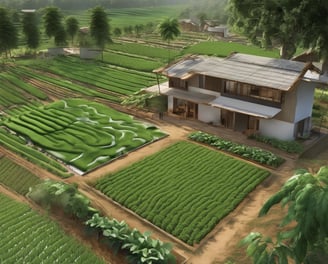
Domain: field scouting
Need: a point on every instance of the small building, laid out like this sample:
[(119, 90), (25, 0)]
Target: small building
[(220, 31), (189, 25), (246, 93)]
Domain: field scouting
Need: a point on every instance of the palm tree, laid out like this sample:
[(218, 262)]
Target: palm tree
[(169, 30)]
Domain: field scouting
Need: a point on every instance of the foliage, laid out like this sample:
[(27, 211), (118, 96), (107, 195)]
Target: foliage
[(8, 32), (31, 30), (99, 27), (185, 189), (16, 177), (306, 197), (138, 99), (169, 30), (51, 193), (288, 146), (72, 26), (247, 152), (28, 237), (141, 247), (52, 19), (81, 133)]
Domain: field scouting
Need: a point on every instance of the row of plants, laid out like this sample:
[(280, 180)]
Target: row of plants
[(140, 248), (28, 237), (19, 146), (131, 62), (251, 153), (290, 146), (185, 189), (16, 177), (142, 50), (60, 83), (82, 134)]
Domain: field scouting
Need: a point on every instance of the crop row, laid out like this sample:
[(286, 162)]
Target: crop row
[(184, 189), (16, 177), (81, 133), (28, 237), (65, 84), (18, 145), (142, 50), (251, 153)]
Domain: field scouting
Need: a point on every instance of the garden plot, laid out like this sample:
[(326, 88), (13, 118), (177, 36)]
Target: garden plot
[(82, 134), (185, 189)]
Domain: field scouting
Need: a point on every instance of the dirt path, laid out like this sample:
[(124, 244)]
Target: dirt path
[(219, 244)]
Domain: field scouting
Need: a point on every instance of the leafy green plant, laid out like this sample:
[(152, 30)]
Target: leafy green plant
[(251, 153), (288, 146)]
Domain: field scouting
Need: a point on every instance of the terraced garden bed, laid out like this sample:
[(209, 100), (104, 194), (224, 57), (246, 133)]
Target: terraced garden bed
[(27, 237), (82, 134), (185, 189)]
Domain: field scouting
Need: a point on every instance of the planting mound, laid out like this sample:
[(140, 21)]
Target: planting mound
[(83, 134), (185, 189)]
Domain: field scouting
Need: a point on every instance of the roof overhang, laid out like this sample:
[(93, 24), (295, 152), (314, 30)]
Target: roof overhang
[(194, 97), (244, 107)]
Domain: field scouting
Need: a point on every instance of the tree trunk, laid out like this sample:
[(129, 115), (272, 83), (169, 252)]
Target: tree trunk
[(324, 66), (287, 50)]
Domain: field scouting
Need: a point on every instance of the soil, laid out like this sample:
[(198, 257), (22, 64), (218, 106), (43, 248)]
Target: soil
[(219, 244)]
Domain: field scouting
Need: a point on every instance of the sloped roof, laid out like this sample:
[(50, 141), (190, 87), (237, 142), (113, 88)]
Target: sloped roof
[(274, 73)]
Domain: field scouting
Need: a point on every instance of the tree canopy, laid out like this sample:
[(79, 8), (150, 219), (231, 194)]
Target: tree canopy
[(72, 26), (31, 29), (99, 27), (169, 30), (288, 23), (8, 32), (306, 239)]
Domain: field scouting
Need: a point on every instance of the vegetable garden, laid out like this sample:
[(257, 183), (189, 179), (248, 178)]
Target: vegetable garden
[(185, 189), (16, 177), (27, 237), (83, 134)]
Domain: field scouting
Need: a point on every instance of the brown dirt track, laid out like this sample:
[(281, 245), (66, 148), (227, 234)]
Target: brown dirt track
[(222, 241)]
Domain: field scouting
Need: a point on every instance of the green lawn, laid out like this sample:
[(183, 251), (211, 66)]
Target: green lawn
[(82, 133), (27, 237), (185, 189)]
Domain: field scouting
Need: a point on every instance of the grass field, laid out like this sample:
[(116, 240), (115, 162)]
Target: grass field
[(16, 177), (185, 189), (27, 237), (223, 49), (81, 133)]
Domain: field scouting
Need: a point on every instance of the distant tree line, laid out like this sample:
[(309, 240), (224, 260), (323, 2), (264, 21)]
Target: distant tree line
[(85, 4)]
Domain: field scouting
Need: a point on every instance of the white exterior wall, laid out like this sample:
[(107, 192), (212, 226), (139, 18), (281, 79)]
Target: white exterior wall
[(277, 129), (203, 91), (305, 97), (209, 114)]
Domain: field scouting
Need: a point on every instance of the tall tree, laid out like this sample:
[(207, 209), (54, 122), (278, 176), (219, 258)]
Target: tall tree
[(99, 27), (306, 239), (52, 20), (31, 30), (8, 32), (72, 27), (169, 30), (267, 23)]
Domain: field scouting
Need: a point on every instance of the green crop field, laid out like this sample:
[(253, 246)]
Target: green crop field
[(223, 49), (185, 189), (83, 134), (27, 237), (16, 177)]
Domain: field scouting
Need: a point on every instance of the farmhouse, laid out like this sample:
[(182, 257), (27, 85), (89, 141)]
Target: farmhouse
[(273, 97)]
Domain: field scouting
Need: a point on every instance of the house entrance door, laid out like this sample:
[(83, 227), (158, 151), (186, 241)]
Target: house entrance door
[(192, 110), (228, 118)]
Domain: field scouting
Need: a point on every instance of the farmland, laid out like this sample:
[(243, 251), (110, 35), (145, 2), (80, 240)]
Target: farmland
[(82, 134), (185, 189), (16, 177), (27, 237)]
